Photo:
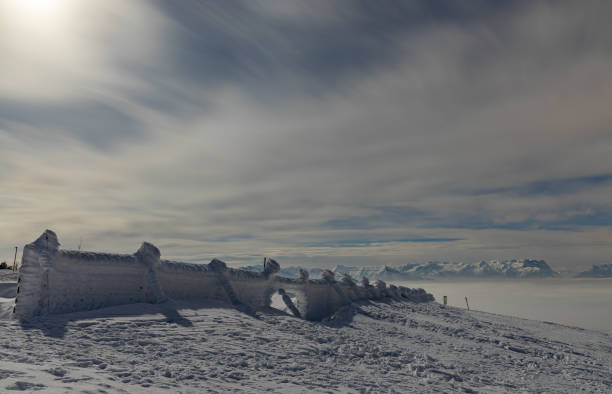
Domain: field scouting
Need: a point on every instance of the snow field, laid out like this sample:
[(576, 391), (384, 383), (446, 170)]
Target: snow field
[(365, 347)]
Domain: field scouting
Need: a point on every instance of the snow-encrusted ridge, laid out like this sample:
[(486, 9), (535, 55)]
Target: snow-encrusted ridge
[(58, 281), (516, 268)]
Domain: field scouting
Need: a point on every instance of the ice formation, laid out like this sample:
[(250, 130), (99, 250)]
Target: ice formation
[(53, 280)]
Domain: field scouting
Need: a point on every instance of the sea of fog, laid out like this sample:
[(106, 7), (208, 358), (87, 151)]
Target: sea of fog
[(583, 303)]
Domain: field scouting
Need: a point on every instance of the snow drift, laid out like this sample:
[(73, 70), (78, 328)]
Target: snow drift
[(53, 281)]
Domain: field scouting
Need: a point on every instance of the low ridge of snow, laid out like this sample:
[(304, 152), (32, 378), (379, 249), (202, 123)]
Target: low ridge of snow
[(367, 346)]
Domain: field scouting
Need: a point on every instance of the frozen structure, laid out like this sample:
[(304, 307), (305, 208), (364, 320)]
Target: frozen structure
[(52, 280)]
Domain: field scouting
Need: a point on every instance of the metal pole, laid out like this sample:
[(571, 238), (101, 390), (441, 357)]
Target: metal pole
[(15, 260), (466, 303)]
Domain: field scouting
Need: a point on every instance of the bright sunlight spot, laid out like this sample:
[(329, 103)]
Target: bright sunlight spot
[(39, 5)]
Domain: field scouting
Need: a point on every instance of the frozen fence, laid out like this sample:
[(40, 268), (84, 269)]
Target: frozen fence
[(52, 280)]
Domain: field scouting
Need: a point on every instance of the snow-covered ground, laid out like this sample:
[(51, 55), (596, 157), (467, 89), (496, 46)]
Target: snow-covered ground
[(366, 347)]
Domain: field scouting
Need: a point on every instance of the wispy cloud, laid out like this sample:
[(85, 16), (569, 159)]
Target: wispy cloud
[(552, 187), (314, 132)]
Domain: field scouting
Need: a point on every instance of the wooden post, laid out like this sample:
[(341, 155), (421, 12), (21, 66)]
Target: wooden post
[(466, 303), (445, 300), (15, 260)]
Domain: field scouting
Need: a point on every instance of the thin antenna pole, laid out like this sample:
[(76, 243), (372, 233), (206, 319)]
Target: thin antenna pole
[(15, 260), (466, 303)]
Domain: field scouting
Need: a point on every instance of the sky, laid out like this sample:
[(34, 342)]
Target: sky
[(318, 133)]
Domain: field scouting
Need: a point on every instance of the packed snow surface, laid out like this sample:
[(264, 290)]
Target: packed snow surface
[(381, 346)]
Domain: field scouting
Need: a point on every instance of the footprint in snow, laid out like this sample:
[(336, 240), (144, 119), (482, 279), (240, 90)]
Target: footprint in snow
[(23, 386), (59, 372)]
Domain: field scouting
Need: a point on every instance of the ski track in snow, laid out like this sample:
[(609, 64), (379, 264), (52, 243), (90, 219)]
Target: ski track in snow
[(366, 347)]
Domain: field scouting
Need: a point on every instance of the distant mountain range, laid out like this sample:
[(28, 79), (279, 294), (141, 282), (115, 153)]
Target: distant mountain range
[(434, 270), (597, 271)]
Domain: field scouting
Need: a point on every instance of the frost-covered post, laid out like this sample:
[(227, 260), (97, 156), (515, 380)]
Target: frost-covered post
[(219, 267), (367, 288), (381, 288), (348, 280), (270, 267), (330, 277), (33, 289), (289, 303), (149, 256), (351, 286), (393, 292), (15, 260)]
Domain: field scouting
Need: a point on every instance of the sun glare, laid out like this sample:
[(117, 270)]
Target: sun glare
[(39, 5), (36, 9), (36, 16)]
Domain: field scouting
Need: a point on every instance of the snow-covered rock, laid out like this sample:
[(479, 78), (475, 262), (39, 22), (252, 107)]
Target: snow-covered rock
[(597, 271)]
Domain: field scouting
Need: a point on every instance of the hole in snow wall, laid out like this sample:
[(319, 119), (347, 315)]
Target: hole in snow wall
[(316, 299)]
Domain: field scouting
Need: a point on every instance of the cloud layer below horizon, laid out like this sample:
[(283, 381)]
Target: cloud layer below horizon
[(317, 133)]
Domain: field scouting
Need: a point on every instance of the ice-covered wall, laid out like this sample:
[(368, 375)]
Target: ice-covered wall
[(52, 280)]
